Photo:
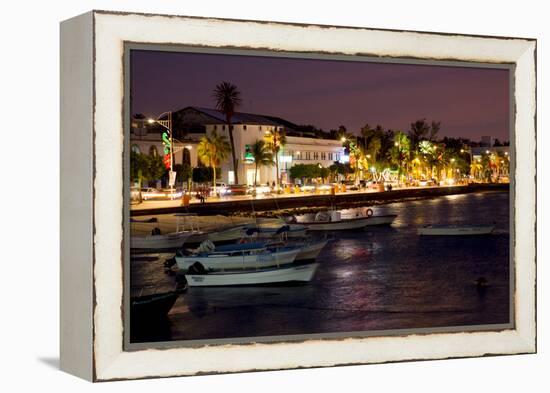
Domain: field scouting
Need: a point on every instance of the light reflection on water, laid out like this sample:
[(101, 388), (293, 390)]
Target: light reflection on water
[(378, 278)]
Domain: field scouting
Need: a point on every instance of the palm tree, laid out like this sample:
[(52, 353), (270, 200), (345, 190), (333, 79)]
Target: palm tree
[(212, 151), (228, 98), (262, 156), (400, 153), (276, 139)]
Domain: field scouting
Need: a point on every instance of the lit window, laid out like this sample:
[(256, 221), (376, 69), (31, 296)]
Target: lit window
[(135, 149), (153, 152)]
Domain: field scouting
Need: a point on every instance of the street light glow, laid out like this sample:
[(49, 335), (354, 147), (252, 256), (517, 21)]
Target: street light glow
[(151, 121), (343, 139)]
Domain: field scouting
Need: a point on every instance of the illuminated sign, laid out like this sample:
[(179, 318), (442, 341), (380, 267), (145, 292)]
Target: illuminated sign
[(248, 156), (344, 159), (167, 144)]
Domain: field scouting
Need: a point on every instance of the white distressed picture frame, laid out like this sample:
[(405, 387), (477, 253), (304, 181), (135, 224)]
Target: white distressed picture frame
[(92, 147)]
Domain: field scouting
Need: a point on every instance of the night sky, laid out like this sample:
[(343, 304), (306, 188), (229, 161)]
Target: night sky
[(469, 102)]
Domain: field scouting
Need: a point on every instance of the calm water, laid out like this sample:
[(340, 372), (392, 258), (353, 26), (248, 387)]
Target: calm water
[(379, 278)]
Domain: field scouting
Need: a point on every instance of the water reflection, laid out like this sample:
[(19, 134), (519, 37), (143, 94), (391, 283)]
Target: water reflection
[(379, 278)]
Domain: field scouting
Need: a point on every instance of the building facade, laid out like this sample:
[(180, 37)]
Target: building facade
[(192, 123)]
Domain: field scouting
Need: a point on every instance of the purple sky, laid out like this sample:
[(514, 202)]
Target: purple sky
[(469, 102)]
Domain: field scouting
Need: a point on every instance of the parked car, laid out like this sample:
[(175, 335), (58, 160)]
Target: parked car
[(323, 188), (350, 185), (259, 189), (307, 187), (151, 193), (231, 189)]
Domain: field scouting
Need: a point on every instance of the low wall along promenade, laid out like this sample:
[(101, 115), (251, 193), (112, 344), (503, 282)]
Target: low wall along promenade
[(342, 200)]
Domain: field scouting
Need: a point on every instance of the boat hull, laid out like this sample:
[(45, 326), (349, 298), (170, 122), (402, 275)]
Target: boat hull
[(153, 306), (381, 220), (311, 251), (456, 230), (243, 261), (342, 225), (294, 273)]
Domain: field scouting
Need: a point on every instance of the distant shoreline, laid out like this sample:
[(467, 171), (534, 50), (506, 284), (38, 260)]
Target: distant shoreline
[(266, 207)]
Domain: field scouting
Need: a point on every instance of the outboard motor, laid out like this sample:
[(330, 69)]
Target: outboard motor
[(322, 216), (206, 246)]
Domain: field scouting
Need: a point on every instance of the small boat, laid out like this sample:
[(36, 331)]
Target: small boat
[(227, 234), (283, 274), (333, 221), (309, 249), (381, 220), (338, 225), (234, 256), (155, 305), (159, 241), (267, 230), (456, 230)]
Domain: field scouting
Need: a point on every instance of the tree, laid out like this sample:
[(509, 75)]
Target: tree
[(400, 153), (262, 156), (212, 150), (306, 171), (340, 169), (276, 139), (228, 98), (202, 174), (144, 167), (419, 131)]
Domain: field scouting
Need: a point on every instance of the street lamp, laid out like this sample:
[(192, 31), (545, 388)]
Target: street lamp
[(168, 142)]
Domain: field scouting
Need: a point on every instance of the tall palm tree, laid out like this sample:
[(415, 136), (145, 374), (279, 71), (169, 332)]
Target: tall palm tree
[(228, 99), (276, 139), (213, 150), (400, 153), (262, 156)]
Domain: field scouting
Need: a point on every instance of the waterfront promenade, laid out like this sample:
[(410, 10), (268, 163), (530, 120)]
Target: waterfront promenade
[(235, 204)]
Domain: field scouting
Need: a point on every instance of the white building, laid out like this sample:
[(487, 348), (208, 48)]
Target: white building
[(191, 123)]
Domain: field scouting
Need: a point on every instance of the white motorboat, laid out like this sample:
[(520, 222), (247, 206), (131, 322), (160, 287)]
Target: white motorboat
[(158, 241), (283, 274), (333, 221), (381, 220), (309, 249), (456, 230), (227, 234), (339, 225), (219, 236), (273, 229), (235, 256)]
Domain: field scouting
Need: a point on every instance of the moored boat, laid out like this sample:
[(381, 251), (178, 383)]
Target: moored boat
[(159, 241), (309, 249), (234, 256), (276, 275), (155, 305), (156, 240), (333, 221), (455, 230)]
